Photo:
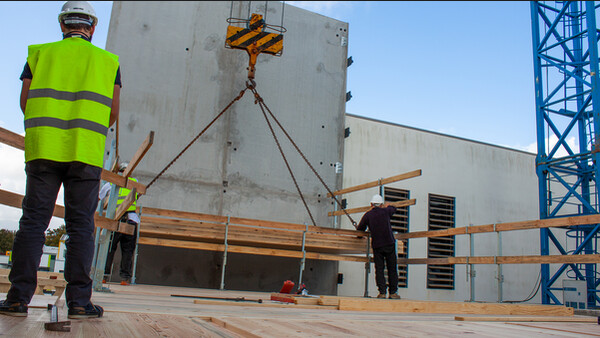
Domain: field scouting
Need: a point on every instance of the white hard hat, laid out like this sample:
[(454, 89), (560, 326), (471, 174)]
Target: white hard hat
[(377, 199), (123, 166), (77, 7)]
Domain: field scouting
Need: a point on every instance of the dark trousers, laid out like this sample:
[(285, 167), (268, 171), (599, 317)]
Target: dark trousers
[(81, 184), (386, 257), (127, 248)]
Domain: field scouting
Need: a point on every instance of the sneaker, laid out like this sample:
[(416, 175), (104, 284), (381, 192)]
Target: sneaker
[(394, 296), (124, 282), (13, 309), (90, 311), (381, 295)]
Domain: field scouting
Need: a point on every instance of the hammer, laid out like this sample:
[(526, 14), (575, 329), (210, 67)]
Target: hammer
[(54, 324)]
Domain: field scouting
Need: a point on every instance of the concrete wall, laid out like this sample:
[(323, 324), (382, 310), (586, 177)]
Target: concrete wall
[(177, 76), (490, 184)]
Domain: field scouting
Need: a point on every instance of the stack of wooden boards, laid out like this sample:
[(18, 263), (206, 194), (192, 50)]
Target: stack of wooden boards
[(250, 236), (49, 283)]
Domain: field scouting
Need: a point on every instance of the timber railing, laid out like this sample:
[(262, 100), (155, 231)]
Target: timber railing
[(564, 222), (509, 226), (250, 236)]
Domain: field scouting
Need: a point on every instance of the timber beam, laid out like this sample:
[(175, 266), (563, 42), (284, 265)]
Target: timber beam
[(523, 225), (398, 204), (548, 259), (379, 182)]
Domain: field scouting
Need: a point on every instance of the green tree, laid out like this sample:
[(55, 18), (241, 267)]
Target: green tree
[(6, 240), (53, 235)]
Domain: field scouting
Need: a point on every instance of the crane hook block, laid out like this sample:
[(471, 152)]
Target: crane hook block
[(254, 40)]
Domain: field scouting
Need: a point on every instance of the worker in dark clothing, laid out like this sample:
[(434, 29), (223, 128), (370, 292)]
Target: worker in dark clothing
[(383, 243), (69, 98)]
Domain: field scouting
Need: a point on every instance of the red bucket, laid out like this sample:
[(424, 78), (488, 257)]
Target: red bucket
[(287, 286)]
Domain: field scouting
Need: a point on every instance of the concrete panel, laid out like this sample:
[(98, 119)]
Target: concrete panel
[(177, 76)]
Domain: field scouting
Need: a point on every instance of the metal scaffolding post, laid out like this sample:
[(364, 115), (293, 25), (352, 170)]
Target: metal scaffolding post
[(567, 100), (103, 236), (225, 247), (303, 260)]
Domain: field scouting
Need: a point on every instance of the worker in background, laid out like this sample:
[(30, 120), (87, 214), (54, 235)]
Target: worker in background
[(127, 241), (383, 243), (69, 97)]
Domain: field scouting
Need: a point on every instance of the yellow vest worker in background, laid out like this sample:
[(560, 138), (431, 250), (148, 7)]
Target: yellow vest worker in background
[(127, 242), (70, 96)]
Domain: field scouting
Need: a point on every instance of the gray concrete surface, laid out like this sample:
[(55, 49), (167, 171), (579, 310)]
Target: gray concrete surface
[(177, 76)]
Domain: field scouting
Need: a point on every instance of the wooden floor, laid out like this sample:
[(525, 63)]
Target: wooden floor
[(152, 311)]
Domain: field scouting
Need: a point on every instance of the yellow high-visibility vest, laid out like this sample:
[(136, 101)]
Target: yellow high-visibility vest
[(69, 102), (123, 192)]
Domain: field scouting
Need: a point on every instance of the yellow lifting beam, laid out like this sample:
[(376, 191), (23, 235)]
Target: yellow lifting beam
[(254, 40)]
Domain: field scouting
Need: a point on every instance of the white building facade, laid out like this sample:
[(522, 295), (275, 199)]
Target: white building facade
[(476, 183)]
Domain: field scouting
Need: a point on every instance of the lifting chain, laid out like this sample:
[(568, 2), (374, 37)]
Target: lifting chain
[(260, 101), (250, 84), (197, 136)]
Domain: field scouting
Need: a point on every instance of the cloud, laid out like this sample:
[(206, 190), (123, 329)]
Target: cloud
[(551, 142), (13, 179), (327, 8)]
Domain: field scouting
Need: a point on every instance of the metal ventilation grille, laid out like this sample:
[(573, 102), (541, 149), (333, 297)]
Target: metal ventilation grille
[(441, 216), (400, 224)]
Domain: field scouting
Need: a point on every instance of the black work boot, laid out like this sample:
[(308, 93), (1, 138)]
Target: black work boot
[(90, 311), (13, 309)]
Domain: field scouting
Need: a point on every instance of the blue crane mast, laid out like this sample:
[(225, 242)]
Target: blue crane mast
[(567, 101)]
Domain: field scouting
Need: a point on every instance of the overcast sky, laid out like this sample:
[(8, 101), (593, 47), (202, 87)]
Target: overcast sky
[(459, 68)]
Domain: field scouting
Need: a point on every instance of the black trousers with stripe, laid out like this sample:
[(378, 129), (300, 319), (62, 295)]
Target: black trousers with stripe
[(127, 243)]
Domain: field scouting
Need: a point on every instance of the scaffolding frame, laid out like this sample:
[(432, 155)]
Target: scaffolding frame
[(567, 101)]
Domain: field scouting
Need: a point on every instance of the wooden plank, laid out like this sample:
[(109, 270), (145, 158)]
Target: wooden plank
[(41, 281), (282, 297), (12, 139), (329, 301), (43, 274), (113, 225), (247, 221), (215, 233), (549, 259), (139, 154), (573, 319), (247, 250), (382, 181), (523, 225), (299, 300), (412, 306), (233, 328), (364, 209), (121, 181), (263, 304), (11, 199), (14, 200), (127, 202)]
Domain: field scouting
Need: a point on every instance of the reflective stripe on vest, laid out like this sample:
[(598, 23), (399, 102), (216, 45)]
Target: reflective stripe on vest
[(69, 101), (123, 192)]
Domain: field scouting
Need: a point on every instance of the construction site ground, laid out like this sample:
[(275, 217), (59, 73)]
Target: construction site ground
[(162, 311)]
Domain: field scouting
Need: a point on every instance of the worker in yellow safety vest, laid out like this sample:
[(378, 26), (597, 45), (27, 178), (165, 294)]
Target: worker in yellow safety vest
[(69, 97), (127, 242)]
